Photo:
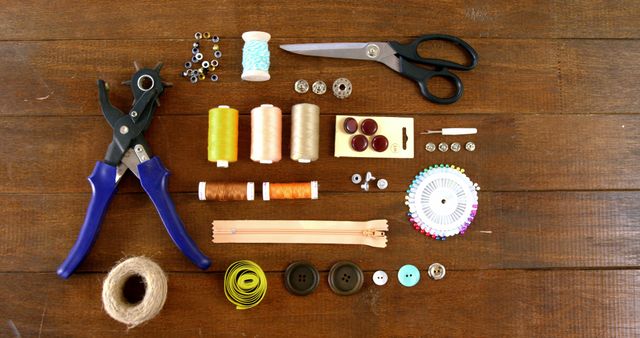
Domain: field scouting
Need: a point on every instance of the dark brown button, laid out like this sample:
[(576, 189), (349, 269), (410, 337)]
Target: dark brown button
[(369, 126), (345, 278), (359, 143), (379, 143), (350, 125), (301, 278)]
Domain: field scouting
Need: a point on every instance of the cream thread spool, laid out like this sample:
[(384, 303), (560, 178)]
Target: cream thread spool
[(305, 132), (266, 134), (255, 56), (114, 301)]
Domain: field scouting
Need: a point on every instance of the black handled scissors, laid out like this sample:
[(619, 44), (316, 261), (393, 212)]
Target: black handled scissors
[(400, 57)]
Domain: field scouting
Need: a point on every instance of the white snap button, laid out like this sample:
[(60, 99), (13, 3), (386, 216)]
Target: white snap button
[(380, 277)]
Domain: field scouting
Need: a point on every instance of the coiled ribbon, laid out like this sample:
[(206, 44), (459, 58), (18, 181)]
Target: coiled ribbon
[(245, 284)]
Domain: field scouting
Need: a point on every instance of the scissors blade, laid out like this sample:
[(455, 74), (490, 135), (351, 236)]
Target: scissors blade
[(348, 50)]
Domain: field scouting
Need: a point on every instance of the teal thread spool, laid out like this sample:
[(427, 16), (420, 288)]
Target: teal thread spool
[(255, 56)]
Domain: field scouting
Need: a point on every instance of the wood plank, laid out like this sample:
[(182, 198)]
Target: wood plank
[(514, 76), (30, 20), (560, 230), (477, 303), (514, 153)]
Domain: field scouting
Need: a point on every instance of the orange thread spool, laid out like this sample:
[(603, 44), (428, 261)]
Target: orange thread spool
[(226, 191), (290, 191)]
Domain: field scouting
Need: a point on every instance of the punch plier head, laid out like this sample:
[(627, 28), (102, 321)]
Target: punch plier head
[(129, 150)]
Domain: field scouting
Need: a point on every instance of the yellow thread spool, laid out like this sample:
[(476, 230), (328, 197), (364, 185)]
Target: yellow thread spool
[(223, 136)]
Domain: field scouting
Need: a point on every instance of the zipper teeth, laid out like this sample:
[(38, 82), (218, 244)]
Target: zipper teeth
[(286, 231)]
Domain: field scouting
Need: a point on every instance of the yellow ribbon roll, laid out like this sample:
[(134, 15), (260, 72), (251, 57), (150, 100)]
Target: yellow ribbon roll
[(245, 284)]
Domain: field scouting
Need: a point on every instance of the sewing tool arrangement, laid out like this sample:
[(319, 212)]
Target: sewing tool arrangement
[(442, 200)]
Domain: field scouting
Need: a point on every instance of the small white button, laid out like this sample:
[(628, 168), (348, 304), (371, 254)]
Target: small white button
[(380, 277)]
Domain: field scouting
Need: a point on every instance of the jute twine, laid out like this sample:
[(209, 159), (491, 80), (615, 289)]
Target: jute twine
[(117, 306)]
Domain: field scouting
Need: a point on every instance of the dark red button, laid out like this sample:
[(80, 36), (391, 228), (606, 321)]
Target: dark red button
[(350, 125), (359, 143), (369, 126), (379, 143)]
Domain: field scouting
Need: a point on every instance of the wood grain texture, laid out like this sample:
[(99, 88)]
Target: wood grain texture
[(31, 20), (514, 153), (554, 250), (465, 303), (561, 230), (514, 76)]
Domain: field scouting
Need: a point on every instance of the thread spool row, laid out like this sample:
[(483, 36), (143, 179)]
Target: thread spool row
[(241, 191), (266, 134)]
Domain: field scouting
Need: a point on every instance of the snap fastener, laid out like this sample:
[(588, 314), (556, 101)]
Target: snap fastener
[(430, 147), (470, 146), (436, 271), (380, 277), (356, 178), (455, 147), (301, 278), (345, 278), (443, 147), (408, 275)]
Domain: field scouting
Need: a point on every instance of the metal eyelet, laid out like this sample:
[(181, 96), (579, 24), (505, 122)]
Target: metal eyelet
[(215, 39), (356, 178), (188, 65), (436, 271), (193, 79), (199, 56), (194, 59), (214, 63), (342, 88), (217, 54), (198, 35), (214, 77), (206, 35), (195, 50), (205, 64)]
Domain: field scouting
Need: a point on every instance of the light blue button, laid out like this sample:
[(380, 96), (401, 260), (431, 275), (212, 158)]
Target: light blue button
[(408, 275)]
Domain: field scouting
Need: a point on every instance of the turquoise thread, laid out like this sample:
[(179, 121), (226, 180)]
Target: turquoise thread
[(255, 55)]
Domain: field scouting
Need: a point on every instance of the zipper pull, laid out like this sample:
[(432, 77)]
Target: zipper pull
[(373, 233)]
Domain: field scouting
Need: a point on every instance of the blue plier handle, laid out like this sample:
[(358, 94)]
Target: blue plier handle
[(129, 150)]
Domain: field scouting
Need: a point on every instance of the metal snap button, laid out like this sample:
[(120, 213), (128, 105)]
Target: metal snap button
[(430, 147), (436, 271), (301, 278), (408, 275), (443, 147), (345, 278), (380, 277)]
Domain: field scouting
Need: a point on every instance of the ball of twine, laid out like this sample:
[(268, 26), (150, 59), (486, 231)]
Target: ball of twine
[(114, 301)]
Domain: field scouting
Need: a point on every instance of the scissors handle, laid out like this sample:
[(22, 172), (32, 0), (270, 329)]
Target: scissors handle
[(422, 77), (410, 51)]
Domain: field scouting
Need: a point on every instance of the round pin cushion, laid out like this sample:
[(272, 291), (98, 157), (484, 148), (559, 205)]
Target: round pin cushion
[(442, 201)]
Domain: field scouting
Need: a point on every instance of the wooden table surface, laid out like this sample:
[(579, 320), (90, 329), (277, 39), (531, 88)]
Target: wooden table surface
[(554, 250)]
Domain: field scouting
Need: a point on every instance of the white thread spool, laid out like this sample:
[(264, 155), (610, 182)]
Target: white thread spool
[(255, 56), (305, 132), (114, 301), (266, 134)]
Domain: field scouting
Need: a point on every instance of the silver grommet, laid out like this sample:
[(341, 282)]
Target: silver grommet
[(194, 59), (301, 86), (430, 147), (205, 64), (214, 63), (193, 79), (195, 50), (455, 147), (319, 87), (382, 184), (342, 88), (215, 39), (188, 65), (214, 77), (436, 271), (470, 146), (443, 147), (198, 35), (217, 54), (199, 56), (356, 178)]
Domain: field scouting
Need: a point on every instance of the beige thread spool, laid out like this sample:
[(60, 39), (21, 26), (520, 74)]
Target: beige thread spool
[(266, 134), (305, 132), (114, 301)]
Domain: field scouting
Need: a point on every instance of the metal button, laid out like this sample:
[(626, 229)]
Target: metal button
[(436, 271), (382, 184), (301, 278), (356, 178), (408, 275), (345, 278), (443, 147), (455, 147), (380, 277), (301, 86), (319, 87), (430, 147), (470, 146)]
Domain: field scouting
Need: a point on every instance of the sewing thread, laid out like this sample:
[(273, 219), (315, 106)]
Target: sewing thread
[(290, 191), (266, 134), (305, 132), (226, 191), (245, 284), (223, 136), (113, 299), (255, 56)]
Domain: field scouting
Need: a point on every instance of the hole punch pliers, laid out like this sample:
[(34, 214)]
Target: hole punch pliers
[(129, 150)]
